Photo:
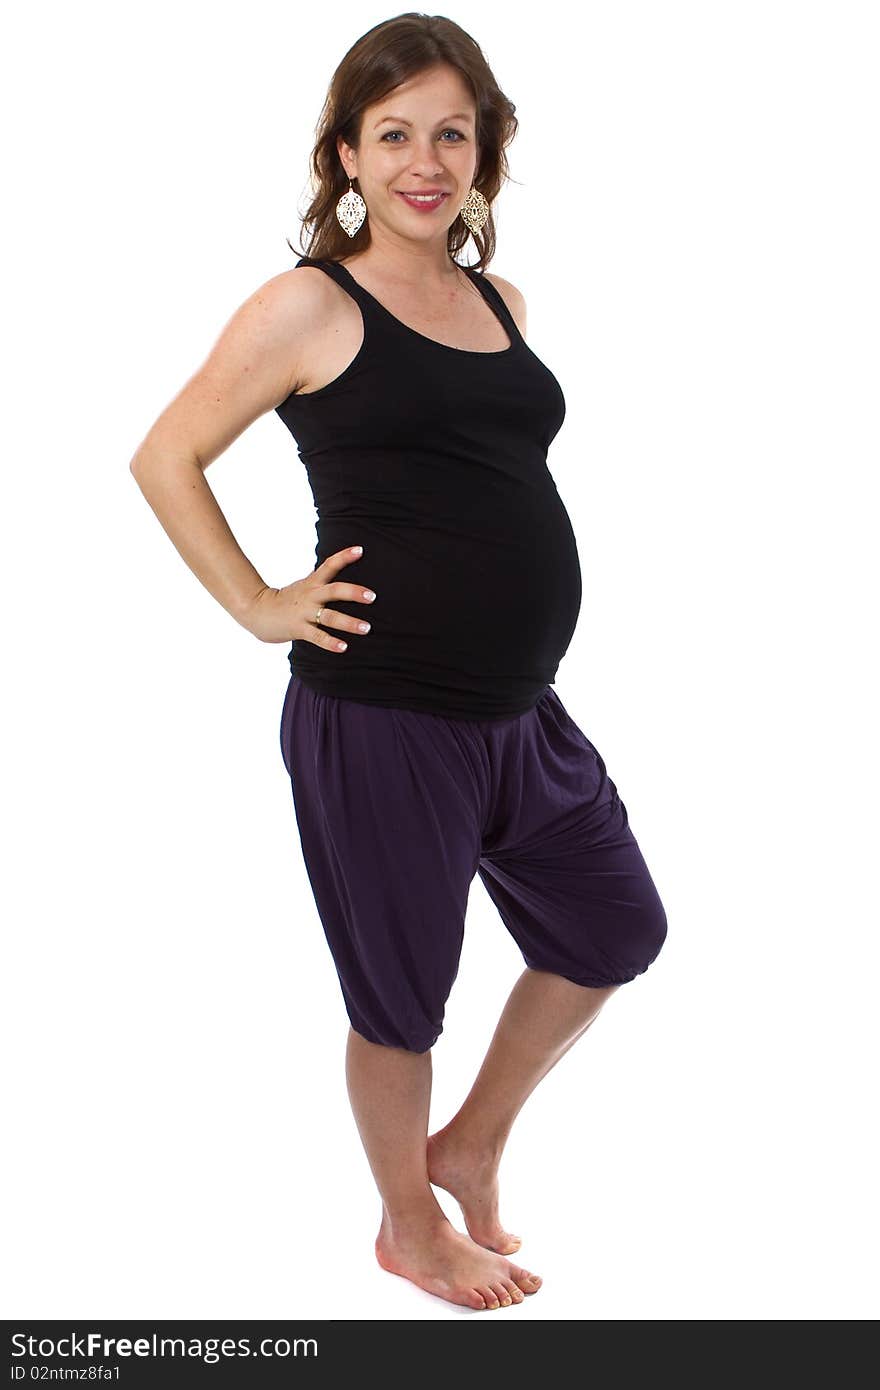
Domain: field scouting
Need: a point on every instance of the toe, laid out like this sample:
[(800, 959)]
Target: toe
[(489, 1295), (475, 1298), (527, 1281), (502, 1293), (514, 1290)]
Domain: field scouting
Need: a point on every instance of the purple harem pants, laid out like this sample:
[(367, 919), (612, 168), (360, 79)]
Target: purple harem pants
[(397, 810)]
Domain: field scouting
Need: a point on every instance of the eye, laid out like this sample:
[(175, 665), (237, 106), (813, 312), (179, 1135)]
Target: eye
[(448, 131)]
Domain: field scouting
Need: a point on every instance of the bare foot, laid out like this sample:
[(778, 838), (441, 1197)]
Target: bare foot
[(446, 1262), (472, 1179)]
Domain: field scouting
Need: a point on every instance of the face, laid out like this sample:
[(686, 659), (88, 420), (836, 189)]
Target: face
[(420, 138)]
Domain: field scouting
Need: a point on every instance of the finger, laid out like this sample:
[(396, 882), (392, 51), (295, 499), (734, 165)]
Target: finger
[(355, 593), (344, 621), (334, 563), (327, 640)]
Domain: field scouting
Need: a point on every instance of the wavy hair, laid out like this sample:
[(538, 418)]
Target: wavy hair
[(385, 56)]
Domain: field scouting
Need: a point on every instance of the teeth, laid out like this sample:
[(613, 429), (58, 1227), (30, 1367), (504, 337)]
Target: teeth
[(424, 197)]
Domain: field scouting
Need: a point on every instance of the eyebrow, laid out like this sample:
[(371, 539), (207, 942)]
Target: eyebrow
[(456, 116)]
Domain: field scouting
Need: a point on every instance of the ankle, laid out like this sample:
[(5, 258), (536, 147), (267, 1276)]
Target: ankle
[(482, 1147), (402, 1220)]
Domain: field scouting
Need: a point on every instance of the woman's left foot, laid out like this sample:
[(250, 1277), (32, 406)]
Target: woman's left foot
[(472, 1179)]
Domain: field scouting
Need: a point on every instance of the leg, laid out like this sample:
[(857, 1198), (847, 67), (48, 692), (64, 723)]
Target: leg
[(390, 1092), (564, 870), (543, 1017), (387, 821)]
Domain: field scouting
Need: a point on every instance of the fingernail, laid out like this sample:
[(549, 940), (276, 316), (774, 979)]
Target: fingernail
[(368, 594), (357, 550), (341, 646), (363, 627)]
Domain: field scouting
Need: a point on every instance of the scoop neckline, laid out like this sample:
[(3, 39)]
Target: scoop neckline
[(465, 352)]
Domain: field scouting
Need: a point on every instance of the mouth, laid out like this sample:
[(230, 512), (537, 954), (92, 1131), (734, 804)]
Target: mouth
[(424, 202)]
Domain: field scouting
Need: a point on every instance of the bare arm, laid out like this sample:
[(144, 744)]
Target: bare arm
[(247, 373), (251, 368)]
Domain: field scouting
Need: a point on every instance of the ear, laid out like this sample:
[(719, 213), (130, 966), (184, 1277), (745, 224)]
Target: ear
[(346, 156)]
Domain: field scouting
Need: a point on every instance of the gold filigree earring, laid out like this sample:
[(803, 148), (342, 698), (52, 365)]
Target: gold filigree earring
[(351, 211), (474, 210)]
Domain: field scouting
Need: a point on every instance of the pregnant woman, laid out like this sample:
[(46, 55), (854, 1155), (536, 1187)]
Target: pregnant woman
[(423, 738)]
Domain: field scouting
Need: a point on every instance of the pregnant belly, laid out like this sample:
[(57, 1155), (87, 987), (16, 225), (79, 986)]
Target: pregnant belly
[(489, 598)]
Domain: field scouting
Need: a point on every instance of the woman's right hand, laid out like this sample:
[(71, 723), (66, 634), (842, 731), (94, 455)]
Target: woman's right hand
[(279, 615)]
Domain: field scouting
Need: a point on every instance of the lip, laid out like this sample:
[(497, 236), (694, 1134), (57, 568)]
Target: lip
[(415, 203)]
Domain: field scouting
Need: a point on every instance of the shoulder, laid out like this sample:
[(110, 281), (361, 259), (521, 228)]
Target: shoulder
[(277, 313), (512, 297), (275, 326), (290, 300), (258, 357)]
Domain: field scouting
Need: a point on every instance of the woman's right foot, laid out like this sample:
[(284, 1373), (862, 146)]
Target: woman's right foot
[(447, 1263)]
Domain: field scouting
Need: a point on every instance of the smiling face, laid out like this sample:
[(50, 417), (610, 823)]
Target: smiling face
[(419, 139)]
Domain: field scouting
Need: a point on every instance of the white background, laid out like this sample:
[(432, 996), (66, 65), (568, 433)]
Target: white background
[(694, 225)]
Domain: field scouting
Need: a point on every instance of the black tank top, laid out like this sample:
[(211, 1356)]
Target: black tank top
[(434, 458)]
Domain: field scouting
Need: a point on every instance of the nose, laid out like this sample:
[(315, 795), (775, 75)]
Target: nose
[(424, 158)]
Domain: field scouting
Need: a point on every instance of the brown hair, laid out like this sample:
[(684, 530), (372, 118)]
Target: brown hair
[(386, 55)]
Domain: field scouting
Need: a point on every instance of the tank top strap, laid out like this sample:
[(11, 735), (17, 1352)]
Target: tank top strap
[(383, 318), (496, 301), (344, 281)]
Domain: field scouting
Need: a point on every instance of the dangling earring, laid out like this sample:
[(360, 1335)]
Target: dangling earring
[(474, 210), (351, 211)]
